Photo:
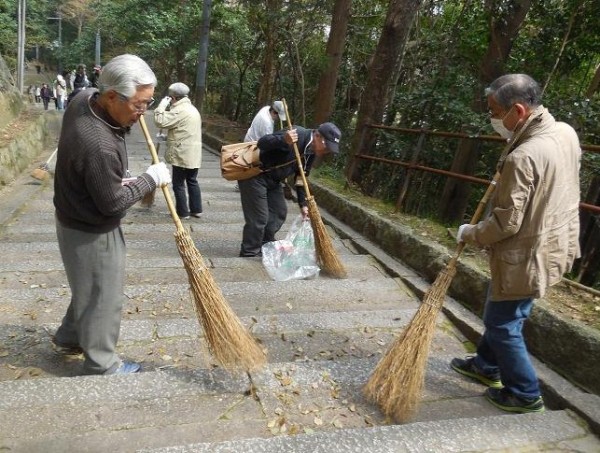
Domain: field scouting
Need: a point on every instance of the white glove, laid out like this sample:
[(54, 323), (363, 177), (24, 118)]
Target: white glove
[(462, 230), (161, 137), (164, 103), (160, 173)]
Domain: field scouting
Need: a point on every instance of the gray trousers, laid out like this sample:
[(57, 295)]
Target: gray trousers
[(95, 267), (265, 210)]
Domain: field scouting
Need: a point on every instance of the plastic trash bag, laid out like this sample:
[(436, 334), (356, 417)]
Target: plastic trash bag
[(294, 257)]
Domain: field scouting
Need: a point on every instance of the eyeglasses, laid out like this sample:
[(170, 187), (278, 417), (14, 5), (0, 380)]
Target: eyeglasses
[(139, 107)]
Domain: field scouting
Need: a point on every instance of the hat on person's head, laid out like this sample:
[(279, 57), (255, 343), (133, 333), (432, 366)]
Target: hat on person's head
[(179, 90), (332, 136), (278, 107)]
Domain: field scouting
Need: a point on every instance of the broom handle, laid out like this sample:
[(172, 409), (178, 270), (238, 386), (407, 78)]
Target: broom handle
[(298, 159), (165, 188), (52, 155)]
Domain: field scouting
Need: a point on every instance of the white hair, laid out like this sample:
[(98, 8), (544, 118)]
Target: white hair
[(125, 74)]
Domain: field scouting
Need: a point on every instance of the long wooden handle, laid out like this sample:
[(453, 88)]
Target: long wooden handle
[(296, 151), (165, 188)]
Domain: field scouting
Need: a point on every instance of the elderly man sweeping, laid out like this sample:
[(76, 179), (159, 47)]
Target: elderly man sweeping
[(532, 234)]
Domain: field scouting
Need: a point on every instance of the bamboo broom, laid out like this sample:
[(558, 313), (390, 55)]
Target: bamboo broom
[(148, 200), (397, 381), (228, 340), (326, 255)]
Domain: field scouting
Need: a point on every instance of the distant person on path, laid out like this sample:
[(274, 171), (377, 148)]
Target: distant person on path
[(46, 95), (38, 96), (263, 122), (80, 82), (92, 193), (532, 234), (60, 87), (184, 147), (263, 201), (94, 76)]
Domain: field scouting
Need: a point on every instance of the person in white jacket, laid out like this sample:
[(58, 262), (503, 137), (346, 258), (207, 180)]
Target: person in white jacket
[(264, 121), (184, 147)]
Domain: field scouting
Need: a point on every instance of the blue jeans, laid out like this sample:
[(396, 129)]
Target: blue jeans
[(502, 347), (181, 178)]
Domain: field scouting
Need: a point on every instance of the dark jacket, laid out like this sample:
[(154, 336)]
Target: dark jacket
[(275, 152), (91, 163)]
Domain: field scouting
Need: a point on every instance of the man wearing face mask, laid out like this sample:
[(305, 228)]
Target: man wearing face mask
[(532, 233)]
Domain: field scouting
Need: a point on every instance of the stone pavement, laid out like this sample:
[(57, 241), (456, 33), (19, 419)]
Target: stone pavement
[(323, 336)]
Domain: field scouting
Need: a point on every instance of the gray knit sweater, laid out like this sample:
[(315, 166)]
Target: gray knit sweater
[(91, 164)]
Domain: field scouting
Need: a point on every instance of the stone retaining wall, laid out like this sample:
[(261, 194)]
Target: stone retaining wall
[(18, 154)]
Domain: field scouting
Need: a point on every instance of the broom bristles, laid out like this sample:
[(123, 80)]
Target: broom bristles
[(397, 382), (328, 259), (41, 173), (227, 338)]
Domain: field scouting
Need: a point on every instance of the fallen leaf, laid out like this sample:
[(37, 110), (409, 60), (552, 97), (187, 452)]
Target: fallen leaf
[(318, 421), (337, 423)]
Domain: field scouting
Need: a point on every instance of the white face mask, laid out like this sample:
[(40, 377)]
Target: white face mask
[(498, 125)]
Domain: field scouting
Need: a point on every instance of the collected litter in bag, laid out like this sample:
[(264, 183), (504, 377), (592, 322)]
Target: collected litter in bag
[(294, 257)]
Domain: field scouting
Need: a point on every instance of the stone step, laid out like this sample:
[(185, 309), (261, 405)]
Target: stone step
[(556, 431), (50, 273), (26, 352), (312, 396), (123, 413), (43, 305)]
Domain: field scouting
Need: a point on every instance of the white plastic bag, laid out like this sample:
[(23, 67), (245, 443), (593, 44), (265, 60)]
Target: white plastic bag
[(294, 257)]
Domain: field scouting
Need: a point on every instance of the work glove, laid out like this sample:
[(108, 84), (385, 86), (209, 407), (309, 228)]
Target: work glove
[(160, 173), (161, 137), (462, 230), (164, 102)]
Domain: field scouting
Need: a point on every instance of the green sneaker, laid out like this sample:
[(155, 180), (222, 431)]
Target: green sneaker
[(505, 400), (467, 367)]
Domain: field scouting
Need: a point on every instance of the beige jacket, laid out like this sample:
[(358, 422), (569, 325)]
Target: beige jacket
[(533, 228), (184, 133)]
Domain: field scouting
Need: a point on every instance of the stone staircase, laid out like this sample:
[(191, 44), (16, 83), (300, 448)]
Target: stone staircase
[(323, 336)]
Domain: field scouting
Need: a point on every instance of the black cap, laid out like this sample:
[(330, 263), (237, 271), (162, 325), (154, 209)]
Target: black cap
[(332, 136)]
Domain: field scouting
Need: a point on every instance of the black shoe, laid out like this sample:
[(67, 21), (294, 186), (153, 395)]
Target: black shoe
[(249, 255), (505, 400), (65, 348), (467, 367), (197, 214)]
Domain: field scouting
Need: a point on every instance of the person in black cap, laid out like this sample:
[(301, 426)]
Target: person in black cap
[(263, 201)]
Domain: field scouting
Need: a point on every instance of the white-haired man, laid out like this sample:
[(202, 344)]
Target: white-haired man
[(92, 193)]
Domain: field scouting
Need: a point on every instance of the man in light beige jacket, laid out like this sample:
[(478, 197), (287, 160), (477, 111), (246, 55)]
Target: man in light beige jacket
[(532, 234), (184, 147)]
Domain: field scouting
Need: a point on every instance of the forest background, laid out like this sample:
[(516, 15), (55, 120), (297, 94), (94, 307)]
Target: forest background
[(417, 64)]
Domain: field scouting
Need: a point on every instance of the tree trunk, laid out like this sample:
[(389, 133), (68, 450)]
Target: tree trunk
[(587, 268), (202, 56), (386, 61), (265, 89), (504, 28), (594, 84), (335, 48)]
